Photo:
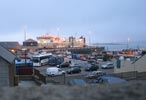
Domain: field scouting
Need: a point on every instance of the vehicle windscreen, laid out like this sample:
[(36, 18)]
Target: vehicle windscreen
[(36, 59)]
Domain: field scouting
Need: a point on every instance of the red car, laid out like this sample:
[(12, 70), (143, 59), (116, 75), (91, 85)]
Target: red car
[(83, 59), (92, 61)]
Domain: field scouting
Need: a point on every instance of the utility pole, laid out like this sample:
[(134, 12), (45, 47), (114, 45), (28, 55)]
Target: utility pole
[(24, 49), (58, 31)]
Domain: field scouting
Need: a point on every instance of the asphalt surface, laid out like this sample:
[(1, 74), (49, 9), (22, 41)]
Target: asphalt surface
[(83, 64)]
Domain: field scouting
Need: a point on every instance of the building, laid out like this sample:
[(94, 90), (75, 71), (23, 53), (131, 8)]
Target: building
[(30, 44), (13, 47), (74, 42), (48, 41), (138, 65), (7, 67)]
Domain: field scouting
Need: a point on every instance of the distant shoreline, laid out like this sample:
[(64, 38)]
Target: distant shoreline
[(121, 46)]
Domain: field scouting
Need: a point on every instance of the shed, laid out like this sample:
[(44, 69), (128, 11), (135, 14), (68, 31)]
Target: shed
[(7, 67)]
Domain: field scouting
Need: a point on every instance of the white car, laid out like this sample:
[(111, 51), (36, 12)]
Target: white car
[(107, 66), (54, 71)]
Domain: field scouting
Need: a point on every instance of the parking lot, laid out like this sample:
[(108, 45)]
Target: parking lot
[(81, 75)]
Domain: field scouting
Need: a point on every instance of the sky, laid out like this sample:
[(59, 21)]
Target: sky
[(97, 20)]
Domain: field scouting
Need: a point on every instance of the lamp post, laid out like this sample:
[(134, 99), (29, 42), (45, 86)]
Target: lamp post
[(24, 49), (128, 41), (89, 35)]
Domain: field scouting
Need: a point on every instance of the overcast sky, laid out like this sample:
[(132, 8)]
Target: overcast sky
[(105, 20)]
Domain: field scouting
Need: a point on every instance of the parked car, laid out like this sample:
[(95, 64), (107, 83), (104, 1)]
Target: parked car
[(64, 64), (74, 70), (99, 58), (108, 80), (83, 58), (107, 66), (95, 74), (55, 60), (80, 82), (54, 71), (75, 65), (93, 67)]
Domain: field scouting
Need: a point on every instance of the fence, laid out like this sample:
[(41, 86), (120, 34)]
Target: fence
[(40, 78), (130, 75), (64, 79)]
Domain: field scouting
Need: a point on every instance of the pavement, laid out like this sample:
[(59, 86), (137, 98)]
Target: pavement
[(27, 84)]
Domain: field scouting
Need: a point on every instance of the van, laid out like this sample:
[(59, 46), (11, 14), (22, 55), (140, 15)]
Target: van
[(54, 71)]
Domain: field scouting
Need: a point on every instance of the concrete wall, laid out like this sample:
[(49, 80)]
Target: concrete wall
[(140, 64), (129, 66), (4, 73), (126, 66)]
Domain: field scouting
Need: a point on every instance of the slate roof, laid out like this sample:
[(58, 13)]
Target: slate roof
[(10, 45), (7, 55)]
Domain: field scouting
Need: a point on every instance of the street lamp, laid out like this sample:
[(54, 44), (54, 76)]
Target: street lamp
[(128, 41), (24, 49), (89, 34)]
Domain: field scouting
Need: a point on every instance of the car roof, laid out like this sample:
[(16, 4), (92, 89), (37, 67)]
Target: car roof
[(113, 79), (53, 68), (77, 82), (97, 71)]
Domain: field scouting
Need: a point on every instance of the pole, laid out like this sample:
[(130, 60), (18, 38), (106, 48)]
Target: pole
[(25, 57), (64, 78), (25, 32)]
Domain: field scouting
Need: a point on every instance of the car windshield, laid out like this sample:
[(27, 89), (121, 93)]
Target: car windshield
[(59, 70), (36, 59)]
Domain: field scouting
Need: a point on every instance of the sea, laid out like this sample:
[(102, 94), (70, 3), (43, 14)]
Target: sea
[(122, 46)]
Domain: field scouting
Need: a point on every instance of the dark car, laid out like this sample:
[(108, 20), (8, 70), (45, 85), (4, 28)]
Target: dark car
[(95, 74), (80, 82), (64, 64), (109, 80), (55, 60), (93, 67), (74, 70)]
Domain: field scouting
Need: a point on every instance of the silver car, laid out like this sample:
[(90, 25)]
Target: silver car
[(107, 66)]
